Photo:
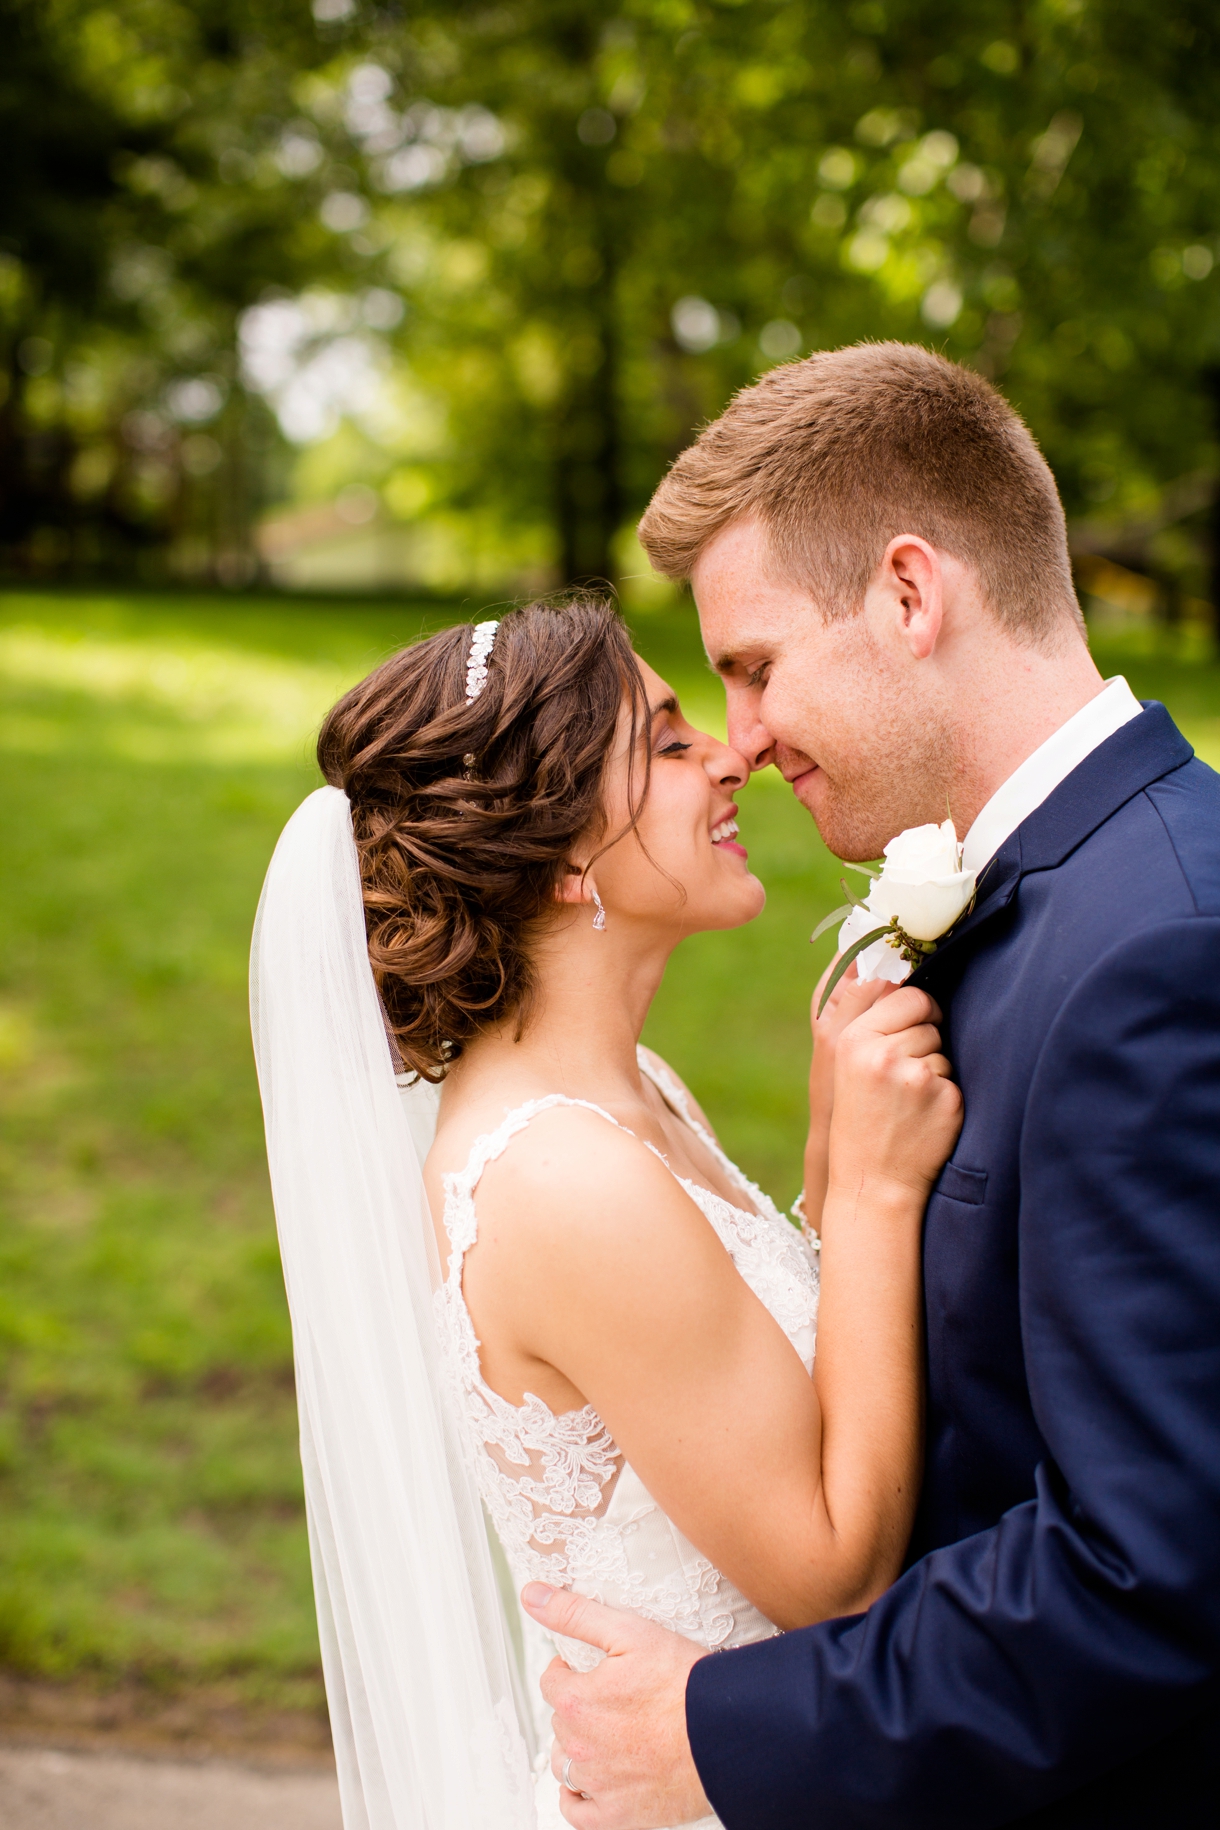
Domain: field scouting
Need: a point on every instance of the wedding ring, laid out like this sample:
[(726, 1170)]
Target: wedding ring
[(567, 1779)]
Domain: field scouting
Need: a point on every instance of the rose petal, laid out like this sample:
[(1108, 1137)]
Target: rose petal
[(924, 910), (929, 851), (881, 961)]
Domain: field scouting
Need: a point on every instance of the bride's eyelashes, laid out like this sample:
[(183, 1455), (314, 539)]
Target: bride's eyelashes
[(666, 744)]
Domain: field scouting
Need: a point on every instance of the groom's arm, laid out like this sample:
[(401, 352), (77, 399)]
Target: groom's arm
[(1007, 1670)]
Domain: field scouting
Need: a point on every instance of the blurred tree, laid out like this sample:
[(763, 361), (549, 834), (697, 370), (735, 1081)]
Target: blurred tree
[(521, 251), (61, 140), (677, 193), (145, 210)]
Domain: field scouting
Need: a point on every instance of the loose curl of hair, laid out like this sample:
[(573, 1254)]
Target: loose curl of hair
[(466, 817)]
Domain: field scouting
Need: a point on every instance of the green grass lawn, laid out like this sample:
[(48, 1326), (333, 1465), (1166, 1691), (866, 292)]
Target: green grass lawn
[(151, 748)]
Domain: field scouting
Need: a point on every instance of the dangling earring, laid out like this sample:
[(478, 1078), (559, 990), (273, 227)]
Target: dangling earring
[(599, 920)]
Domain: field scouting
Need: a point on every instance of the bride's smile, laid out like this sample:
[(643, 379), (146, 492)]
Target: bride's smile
[(673, 865), (725, 833)]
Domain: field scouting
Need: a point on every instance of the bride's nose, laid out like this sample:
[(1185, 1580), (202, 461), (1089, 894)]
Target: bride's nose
[(727, 767)]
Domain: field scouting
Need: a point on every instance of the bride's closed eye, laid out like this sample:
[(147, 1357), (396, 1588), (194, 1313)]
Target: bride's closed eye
[(665, 743)]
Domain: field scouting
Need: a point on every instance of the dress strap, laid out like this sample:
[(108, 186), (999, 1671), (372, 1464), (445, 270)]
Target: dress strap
[(674, 1095), (461, 1221)]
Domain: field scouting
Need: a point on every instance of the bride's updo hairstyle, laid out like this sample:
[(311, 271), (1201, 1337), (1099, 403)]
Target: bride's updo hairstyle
[(466, 816)]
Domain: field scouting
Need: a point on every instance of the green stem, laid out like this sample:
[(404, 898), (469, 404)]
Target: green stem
[(845, 960)]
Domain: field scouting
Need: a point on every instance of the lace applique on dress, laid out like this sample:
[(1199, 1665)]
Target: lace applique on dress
[(566, 1506)]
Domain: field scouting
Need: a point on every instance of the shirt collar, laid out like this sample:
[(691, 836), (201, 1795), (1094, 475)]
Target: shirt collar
[(1051, 763)]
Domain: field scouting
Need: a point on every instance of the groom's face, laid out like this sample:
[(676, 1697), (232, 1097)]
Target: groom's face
[(831, 704)]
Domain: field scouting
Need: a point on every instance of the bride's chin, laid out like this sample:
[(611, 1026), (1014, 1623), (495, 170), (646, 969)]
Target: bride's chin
[(735, 911)]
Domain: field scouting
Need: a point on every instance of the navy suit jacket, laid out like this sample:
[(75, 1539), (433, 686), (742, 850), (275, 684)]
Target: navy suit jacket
[(1052, 1651)]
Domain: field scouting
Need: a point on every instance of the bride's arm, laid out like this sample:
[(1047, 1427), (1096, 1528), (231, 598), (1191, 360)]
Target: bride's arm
[(593, 1261)]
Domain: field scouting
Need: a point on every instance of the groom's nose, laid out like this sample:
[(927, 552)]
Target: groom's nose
[(748, 735)]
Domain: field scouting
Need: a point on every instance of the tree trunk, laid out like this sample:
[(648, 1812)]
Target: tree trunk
[(588, 491), (585, 232)]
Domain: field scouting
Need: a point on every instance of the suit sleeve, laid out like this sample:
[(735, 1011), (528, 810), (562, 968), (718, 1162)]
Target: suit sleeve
[(1005, 1671)]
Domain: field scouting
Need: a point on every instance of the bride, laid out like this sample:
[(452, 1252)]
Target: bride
[(581, 1314)]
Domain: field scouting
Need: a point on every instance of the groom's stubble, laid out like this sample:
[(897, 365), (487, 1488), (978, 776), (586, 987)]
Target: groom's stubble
[(887, 756)]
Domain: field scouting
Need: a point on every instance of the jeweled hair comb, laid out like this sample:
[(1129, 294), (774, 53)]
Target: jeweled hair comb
[(476, 662)]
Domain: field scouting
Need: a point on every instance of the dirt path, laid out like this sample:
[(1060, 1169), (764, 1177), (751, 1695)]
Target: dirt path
[(44, 1790)]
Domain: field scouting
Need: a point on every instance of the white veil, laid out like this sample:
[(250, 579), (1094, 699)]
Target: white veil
[(420, 1674)]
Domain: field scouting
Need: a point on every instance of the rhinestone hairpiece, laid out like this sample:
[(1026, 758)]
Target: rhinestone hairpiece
[(476, 662)]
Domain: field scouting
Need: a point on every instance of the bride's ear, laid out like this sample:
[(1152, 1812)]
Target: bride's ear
[(574, 886)]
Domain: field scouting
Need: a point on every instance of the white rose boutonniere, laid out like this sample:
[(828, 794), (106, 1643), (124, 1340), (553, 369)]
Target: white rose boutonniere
[(920, 893)]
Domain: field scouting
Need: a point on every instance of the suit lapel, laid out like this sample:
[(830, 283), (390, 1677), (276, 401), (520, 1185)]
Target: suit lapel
[(1124, 765)]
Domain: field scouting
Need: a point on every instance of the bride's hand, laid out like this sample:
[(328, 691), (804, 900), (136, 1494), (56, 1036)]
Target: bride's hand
[(897, 1113), (849, 1000), (851, 997)]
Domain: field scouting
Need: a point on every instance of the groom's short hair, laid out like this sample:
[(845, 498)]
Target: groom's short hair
[(843, 451)]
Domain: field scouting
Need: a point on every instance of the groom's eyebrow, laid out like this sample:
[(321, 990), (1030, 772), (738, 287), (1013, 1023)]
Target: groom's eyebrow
[(756, 652)]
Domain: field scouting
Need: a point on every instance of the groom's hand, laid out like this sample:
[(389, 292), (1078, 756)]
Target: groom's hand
[(622, 1725)]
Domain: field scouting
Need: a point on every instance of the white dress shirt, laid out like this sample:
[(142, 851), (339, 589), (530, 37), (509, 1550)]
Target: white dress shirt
[(1051, 763)]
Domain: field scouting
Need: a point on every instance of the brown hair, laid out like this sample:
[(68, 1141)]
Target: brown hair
[(840, 453), (465, 816)]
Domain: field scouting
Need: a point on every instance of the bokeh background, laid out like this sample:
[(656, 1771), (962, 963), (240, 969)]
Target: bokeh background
[(320, 327)]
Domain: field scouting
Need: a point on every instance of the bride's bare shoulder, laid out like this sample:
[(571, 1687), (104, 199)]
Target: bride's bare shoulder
[(575, 1215), (555, 1143), (543, 1154)]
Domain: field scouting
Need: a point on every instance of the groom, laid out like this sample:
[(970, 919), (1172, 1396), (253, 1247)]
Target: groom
[(878, 554)]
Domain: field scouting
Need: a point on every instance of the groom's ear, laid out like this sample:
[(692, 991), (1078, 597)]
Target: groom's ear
[(910, 585)]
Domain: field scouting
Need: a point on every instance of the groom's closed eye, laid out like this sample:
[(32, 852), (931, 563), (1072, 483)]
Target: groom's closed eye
[(731, 667)]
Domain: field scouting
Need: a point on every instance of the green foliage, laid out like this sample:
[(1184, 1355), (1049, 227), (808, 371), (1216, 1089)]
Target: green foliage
[(538, 243), (146, 211), (690, 192)]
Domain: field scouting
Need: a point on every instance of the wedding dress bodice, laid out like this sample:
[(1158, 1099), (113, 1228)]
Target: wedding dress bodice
[(567, 1507)]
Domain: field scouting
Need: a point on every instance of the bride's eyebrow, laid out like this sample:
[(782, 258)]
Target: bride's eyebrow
[(663, 705)]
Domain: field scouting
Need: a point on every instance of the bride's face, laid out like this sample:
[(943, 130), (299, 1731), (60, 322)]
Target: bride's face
[(684, 868)]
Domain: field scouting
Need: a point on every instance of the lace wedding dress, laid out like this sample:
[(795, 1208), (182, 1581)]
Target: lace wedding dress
[(567, 1507)]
